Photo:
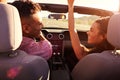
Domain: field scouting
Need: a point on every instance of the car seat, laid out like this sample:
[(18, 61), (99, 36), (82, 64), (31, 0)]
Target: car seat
[(16, 64), (105, 65), (113, 33)]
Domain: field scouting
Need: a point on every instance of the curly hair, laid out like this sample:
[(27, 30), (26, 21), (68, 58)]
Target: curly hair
[(26, 8)]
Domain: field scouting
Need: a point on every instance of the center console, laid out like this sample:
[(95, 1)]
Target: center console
[(58, 66)]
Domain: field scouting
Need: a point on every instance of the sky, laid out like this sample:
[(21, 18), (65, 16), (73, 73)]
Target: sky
[(103, 4), (111, 5)]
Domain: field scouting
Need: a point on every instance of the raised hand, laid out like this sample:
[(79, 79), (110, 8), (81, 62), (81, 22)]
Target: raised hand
[(70, 2), (71, 15), (78, 49)]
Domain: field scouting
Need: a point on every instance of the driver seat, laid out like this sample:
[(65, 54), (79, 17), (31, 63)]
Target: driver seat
[(16, 64), (105, 65)]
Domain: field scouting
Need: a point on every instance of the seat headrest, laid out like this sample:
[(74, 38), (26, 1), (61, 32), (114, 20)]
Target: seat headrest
[(10, 28), (113, 33)]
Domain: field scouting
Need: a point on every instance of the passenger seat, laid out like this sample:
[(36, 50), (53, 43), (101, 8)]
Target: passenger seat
[(16, 64)]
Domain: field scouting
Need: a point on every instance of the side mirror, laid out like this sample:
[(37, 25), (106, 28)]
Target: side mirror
[(57, 16)]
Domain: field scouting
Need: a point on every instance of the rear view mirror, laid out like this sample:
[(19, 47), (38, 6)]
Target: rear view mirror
[(57, 16)]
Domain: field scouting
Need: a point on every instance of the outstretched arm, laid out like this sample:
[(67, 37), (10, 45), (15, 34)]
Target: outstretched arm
[(78, 49)]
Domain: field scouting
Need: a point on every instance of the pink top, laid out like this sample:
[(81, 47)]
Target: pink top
[(42, 48)]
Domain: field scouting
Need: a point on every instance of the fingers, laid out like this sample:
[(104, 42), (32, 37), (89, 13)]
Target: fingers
[(70, 2)]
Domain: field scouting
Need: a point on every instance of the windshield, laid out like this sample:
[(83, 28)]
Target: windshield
[(82, 21)]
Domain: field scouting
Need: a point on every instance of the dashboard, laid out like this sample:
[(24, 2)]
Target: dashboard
[(63, 53), (60, 40)]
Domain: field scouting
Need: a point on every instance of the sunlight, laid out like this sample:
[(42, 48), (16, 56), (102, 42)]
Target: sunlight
[(112, 5)]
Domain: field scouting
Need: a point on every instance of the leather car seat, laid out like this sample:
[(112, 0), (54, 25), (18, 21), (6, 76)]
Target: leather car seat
[(16, 64)]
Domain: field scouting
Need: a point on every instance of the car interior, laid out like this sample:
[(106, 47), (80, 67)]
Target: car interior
[(16, 64), (63, 58), (104, 65)]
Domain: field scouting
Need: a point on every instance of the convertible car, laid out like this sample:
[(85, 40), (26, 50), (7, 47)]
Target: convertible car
[(55, 20), (63, 59)]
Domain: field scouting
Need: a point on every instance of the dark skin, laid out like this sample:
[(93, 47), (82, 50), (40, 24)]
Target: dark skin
[(32, 26), (31, 19)]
